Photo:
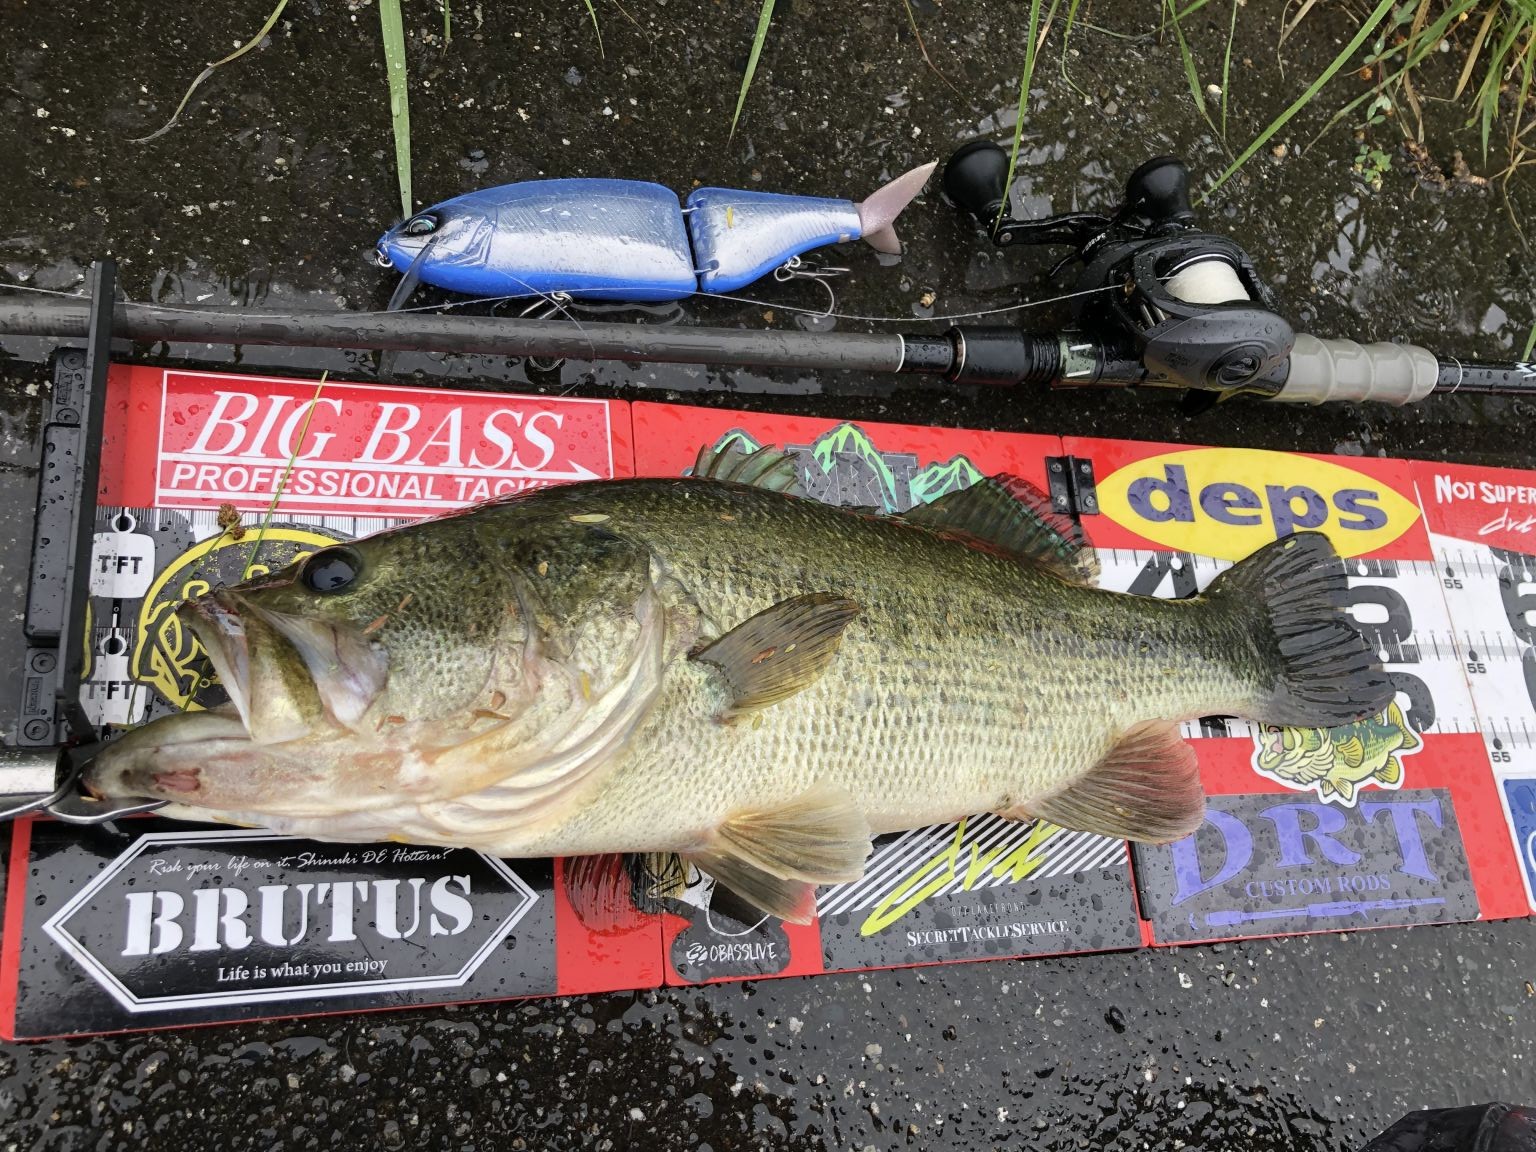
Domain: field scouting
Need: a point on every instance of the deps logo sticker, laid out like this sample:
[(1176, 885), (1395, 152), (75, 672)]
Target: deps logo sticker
[(1193, 501)]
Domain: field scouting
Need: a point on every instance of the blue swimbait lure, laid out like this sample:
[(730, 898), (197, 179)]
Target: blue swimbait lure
[(628, 239)]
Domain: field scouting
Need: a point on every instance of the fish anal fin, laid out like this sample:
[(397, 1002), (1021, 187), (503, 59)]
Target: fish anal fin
[(1390, 773), (776, 859), (1010, 514), (781, 650), (1146, 788)]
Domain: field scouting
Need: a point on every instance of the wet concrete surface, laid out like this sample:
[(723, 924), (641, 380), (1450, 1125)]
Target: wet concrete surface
[(271, 192)]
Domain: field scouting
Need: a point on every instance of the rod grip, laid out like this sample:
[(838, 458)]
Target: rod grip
[(1324, 370)]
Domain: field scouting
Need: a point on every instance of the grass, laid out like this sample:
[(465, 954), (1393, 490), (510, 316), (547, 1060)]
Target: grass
[(1032, 41), (764, 17), (592, 12), (209, 71), (1502, 50), (282, 482), (1371, 23), (1191, 74), (1530, 344), (392, 29)]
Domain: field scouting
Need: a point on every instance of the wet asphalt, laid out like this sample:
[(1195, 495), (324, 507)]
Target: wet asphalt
[(270, 193)]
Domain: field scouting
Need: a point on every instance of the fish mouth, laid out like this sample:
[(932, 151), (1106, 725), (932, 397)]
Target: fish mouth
[(286, 674), (163, 760), (215, 621)]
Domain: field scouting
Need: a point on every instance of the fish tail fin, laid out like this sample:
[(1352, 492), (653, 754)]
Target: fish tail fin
[(1313, 670), (877, 215)]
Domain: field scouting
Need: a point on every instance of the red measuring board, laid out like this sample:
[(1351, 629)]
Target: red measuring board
[(1425, 816)]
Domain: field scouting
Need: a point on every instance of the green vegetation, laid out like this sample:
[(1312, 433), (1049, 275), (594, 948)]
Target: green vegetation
[(1032, 41), (209, 71), (393, 30), (1496, 80), (764, 17)]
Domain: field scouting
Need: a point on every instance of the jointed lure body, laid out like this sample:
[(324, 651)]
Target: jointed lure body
[(598, 239)]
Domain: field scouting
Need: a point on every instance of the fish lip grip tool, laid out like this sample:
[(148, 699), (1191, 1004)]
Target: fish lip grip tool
[(630, 240)]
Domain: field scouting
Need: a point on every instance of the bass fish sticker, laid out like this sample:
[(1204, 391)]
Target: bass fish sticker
[(1338, 763), (1230, 502), (167, 656)]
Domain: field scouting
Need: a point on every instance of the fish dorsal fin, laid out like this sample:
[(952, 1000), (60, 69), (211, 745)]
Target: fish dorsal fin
[(1147, 788), (761, 467), (1011, 514), (776, 859), (781, 650)]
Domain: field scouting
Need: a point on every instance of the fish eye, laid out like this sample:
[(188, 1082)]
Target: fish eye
[(331, 569), (421, 225)]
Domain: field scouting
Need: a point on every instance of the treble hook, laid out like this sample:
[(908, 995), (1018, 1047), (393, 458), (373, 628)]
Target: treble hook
[(796, 268), (542, 309)]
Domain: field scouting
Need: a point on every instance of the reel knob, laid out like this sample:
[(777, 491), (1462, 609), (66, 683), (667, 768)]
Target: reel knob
[(1158, 192), (975, 179)]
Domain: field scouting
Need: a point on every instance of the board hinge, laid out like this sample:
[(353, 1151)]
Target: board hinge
[(1072, 485)]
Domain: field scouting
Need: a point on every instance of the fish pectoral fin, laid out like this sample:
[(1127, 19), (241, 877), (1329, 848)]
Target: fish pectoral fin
[(1351, 752), (792, 900), (781, 650), (776, 859), (1147, 788), (1011, 514)]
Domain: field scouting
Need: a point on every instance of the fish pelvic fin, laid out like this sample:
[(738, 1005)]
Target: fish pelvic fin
[(1390, 774), (776, 859), (1313, 670), (780, 651), (1146, 788), (614, 891), (877, 215)]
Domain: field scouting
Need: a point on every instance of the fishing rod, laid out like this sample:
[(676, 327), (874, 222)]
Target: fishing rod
[(1159, 303)]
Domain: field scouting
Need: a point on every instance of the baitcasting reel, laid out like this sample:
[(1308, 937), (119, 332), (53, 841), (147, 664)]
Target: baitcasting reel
[(1190, 302)]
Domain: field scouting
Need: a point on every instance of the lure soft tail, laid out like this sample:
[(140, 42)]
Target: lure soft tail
[(877, 215)]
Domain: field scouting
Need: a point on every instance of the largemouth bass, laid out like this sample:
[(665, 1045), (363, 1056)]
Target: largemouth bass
[(716, 668)]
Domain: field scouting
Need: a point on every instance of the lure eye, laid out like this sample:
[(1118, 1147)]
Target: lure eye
[(421, 226), (331, 570)]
